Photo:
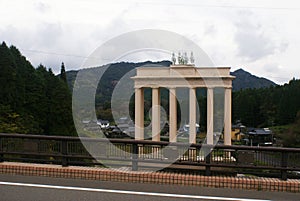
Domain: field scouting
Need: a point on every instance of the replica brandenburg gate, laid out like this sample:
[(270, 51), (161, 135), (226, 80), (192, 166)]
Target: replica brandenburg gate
[(178, 76)]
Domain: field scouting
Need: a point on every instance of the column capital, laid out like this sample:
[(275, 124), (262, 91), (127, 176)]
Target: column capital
[(210, 87), (155, 87), (227, 87)]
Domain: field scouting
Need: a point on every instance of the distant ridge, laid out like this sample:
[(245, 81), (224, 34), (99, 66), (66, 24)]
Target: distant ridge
[(243, 80)]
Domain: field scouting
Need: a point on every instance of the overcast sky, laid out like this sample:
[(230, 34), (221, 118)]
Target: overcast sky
[(260, 36)]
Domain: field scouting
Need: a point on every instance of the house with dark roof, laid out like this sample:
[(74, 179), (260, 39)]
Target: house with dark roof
[(259, 137)]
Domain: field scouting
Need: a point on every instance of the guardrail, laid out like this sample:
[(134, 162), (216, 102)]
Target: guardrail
[(137, 154)]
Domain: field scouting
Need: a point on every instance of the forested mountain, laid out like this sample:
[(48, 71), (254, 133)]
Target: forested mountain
[(116, 71), (257, 102), (245, 80), (266, 107), (32, 100)]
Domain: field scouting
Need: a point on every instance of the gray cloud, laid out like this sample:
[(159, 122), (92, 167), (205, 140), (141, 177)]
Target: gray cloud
[(41, 7), (271, 67), (253, 45), (48, 35), (44, 35), (51, 45), (253, 41), (210, 29)]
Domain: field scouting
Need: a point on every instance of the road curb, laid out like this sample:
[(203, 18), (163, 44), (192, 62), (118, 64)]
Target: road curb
[(119, 175)]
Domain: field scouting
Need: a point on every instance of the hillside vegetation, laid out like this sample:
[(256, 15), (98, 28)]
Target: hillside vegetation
[(32, 100)]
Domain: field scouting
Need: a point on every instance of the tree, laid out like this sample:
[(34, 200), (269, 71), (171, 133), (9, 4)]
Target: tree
[(267, 107), (58, 110), (12, 122), (60, 119), (32, 100), (292, 137), (7, 77), (63, 74)]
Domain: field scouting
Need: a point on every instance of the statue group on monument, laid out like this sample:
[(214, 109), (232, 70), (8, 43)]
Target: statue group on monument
[(182, 59)]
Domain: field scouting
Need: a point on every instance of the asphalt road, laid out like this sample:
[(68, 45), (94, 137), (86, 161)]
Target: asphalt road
[(19, 188)]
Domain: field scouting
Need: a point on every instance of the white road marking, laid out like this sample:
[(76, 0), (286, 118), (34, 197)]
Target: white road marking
[(126, 192)]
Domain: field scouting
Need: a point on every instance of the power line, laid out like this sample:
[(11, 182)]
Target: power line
[(87, 57), (53, 53), (221, 6)]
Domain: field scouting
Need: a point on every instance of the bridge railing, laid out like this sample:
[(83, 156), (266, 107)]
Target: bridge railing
[(135, 154)]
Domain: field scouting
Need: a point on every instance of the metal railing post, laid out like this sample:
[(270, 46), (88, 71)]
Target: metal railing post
[(135, 155), (207, 149), (284, 163), (1, 150), (64, 151), (207, 162)]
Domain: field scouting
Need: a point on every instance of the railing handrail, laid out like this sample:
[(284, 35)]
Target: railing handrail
[(284, 159), (149, 142)]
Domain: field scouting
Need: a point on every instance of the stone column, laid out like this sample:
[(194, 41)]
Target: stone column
[(172, 115), (227, 117), (210, 116), (155, 114), (192, 113), (139, 113)]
